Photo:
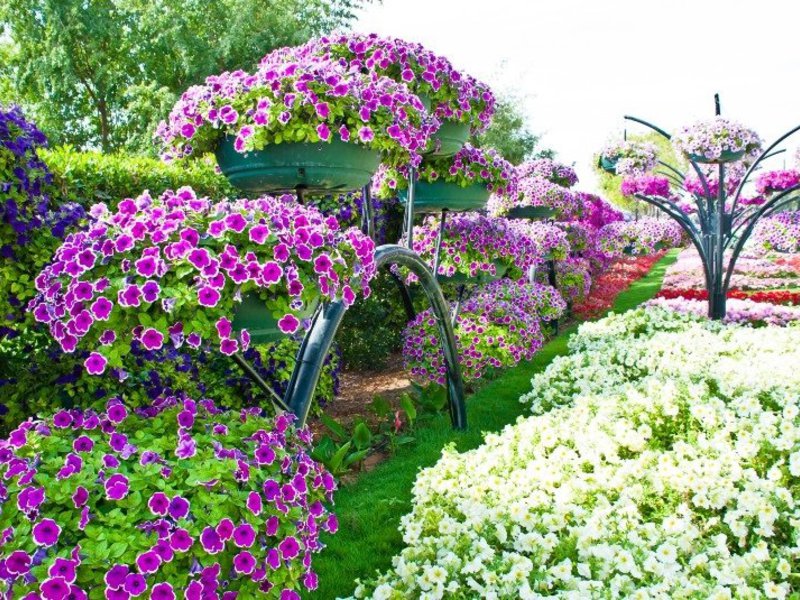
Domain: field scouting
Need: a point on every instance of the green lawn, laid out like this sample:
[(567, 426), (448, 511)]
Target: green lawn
[(369, 510)]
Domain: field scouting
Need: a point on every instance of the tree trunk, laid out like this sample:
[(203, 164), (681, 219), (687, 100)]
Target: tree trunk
[(105, 130)]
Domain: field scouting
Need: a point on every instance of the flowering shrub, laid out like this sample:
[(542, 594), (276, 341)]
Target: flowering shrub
[(180, 501), (30, 224), (776, 181), (647, 184), (549, 169), (495, 328), (538, 191), (711, 138), (296, 102), (469, 166), (171, 270), (779, 233), (453, 95), (631, 157), (670, 472), (474, 244), (644, 236), (611, 283)]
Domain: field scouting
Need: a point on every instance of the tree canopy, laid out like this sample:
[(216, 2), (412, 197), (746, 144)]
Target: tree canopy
[(101, 73), (510, 134)]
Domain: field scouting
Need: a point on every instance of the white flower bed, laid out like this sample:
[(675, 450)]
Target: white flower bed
[(667, 466)]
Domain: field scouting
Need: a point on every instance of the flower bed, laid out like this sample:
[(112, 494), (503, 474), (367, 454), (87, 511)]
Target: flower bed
[(172, 270), (610, 284), (670, 471), (738, 311), (180, 501), (495, 328), (768, 296)]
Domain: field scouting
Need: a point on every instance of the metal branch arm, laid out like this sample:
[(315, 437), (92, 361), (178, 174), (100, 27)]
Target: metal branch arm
[(318, 340)]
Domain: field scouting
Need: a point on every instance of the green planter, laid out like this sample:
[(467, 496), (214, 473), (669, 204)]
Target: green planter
[(322, 167), (609, 165), (252, 314), (531, 212), (726, 156), (450, 138), (480, 279), (440, 195)]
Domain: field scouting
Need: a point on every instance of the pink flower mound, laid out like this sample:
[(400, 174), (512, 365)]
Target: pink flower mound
[(496, 328), (193, 257), (163, 503), (775, 181), (649, 185)]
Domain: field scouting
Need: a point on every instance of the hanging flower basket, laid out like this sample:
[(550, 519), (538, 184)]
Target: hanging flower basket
[(609, 165), (315, 125), (254, 316), (440, 195), (480, 278), (313, 167), (716, 141), (447, 140), (174, 270), (458, 183)]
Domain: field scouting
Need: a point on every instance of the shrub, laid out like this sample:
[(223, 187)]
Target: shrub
[(87, 178), (182, 499)]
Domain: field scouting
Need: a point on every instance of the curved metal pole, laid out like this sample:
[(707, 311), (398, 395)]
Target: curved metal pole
[(673, 211), (367, 214), (657, 129), (405, 295), (677, 173), (327, 322)]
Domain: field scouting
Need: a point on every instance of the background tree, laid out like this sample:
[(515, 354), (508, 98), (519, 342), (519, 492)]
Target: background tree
[(101, 73), (510, 133)]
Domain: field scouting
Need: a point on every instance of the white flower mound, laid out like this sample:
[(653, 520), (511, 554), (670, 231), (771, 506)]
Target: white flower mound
[(669, 468)]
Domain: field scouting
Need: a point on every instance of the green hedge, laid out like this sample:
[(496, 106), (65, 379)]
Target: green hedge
[(91, 177)]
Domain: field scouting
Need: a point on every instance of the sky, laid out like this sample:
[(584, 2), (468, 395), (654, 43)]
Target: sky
[(579, 66)]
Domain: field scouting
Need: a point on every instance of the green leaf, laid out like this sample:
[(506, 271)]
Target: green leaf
[(408, 407), (362, 436), (336, 428)]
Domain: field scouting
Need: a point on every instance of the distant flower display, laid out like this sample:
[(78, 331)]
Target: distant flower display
[(538, 191), (551, 170), (780, 232), (171, 270), (631, 157), (776, 181), (649, 185), (641, 237)]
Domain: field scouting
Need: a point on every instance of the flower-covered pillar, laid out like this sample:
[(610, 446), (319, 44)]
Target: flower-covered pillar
[(715, 215)]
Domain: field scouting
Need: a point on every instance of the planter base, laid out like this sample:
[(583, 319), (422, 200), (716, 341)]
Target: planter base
[(254, 316), (439, 195), (531, 212), (284, 168)]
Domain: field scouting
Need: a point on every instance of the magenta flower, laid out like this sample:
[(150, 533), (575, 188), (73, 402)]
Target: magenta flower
[(211, 541), (244, 535), (135, 584), (152, 339), (162, 591), (83, 444), (324, 132), (148, 562), (288, 323), (180, 540), (18, 562), (244, 563), (95, 364), (101, 308), (158, 503), (254, 503), (289, 548), (178, 507), (259, 234), (208, 296), (46, 532), (117, 487), (80, 497)]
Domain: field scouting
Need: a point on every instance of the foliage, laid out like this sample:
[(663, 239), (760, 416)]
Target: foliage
[(297, 102), (652, 492), (573, 278), (87, 178), (164, 271), (102, 73), (372, 328), (182, 494), (31, 223)]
